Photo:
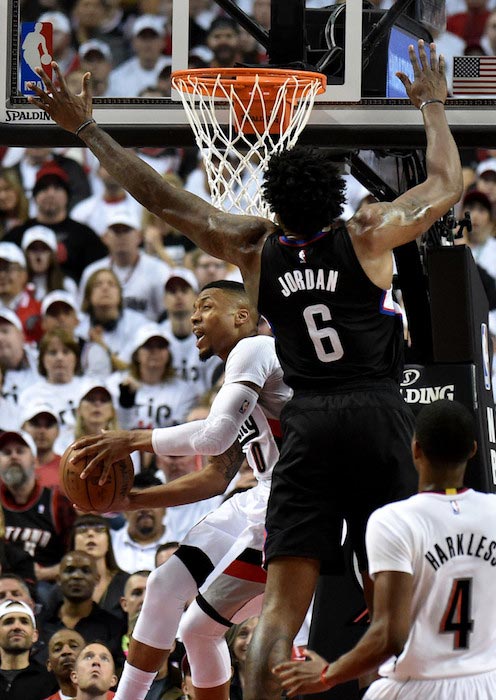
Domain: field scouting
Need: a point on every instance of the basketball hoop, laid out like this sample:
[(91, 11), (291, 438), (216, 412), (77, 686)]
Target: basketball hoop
[(268, 108)]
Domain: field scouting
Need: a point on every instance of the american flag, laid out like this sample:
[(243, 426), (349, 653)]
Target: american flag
[(474, 75)]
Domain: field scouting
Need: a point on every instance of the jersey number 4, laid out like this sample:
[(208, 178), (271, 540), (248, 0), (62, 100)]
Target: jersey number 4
[(456, 618), (325, 340)]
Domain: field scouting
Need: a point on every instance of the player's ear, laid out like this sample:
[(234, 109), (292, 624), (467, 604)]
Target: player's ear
[(123, 603), (242, 316), (473, 450)]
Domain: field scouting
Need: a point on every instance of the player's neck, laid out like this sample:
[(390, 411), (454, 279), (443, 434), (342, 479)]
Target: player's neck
[(441, 480)]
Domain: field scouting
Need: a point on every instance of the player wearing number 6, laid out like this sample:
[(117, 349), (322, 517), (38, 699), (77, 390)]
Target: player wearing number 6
[(433, 558), (325, 290)]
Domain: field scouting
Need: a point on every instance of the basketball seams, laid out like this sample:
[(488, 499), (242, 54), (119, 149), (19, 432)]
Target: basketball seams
[(87, 494)]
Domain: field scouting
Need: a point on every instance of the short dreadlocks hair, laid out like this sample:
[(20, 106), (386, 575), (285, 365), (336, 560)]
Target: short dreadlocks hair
[(303, 187)]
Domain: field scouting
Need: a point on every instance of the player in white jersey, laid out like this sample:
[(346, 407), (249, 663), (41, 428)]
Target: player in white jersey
[(433, 560), (221, 555)]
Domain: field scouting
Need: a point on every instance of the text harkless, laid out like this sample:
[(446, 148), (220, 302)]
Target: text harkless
[(302, 280), (462, 545)]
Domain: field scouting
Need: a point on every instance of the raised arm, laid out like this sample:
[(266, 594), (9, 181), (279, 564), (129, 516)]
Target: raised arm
[(227, 236), (378, 228)]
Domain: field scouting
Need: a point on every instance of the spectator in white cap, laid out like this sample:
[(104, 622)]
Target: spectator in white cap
[(486, 178), (59, 309), (142, 70), (142, 276), (95, 57), (37, 519), (95, 410), (21, 678), (150, 395), (109, 197), (63, 50), (42, 423), (39, 244), (18, 363), (15, 292), (179, 297)]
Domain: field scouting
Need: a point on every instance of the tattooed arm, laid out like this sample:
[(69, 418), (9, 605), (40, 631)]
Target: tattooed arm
[(237, 239), (378, 228), (211, 481)]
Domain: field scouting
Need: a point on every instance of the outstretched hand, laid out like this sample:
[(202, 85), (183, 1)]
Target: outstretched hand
[(302, 677), (65, 108), (429, 76)]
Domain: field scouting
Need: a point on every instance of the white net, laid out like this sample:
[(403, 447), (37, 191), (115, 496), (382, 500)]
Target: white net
[(235, 154)]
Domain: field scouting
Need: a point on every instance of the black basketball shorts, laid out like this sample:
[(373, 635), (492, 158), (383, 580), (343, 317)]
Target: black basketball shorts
[(343, 455)]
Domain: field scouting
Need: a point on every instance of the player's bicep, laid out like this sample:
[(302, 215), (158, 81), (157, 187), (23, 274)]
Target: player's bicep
[(383, 226)]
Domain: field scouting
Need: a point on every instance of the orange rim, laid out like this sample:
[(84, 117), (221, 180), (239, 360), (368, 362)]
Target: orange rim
[(271, 79)]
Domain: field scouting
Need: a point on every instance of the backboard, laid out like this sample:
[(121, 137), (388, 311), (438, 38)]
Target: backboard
[(351, 114)]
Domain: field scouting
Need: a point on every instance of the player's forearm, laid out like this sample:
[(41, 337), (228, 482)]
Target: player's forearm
[(444, 170), (376, 646), (140, 440), (136, 176), (190, 488), (183, 210)]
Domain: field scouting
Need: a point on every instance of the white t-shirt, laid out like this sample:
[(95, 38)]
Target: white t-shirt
[(129, 79), (187, 363), (132, 556), (63, 398), (119, 339), (156, 405), (14, 383), (142, 284), (448, 544), (95, 211)]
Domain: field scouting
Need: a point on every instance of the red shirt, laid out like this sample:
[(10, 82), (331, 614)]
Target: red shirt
[(29, 311), (468, 25), (48, 474)]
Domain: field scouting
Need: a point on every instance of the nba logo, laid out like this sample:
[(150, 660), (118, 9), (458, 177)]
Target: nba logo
[(302, 256), (36, 50)]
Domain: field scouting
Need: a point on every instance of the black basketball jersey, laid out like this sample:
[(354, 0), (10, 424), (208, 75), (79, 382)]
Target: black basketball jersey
[(40, 526), (332, 325)]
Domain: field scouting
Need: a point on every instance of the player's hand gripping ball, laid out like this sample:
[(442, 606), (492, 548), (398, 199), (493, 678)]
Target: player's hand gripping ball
[(87, 494)]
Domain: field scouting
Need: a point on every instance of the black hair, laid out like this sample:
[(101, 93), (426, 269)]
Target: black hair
[(445, 430), (220, 22), (167, 545), (303, 187), (90, 519), (144, 480), (226, 285)]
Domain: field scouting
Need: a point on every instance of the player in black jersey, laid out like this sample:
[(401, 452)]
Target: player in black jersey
[(325, 290)]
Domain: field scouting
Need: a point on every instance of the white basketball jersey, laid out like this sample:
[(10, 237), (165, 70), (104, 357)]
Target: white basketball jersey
[(254, 360), (448, 544)]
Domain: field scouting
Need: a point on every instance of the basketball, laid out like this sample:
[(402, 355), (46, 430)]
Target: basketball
[(88, 494), (46, 59)]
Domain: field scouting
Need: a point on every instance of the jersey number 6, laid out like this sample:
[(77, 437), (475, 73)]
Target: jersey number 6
[(325, 340)]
